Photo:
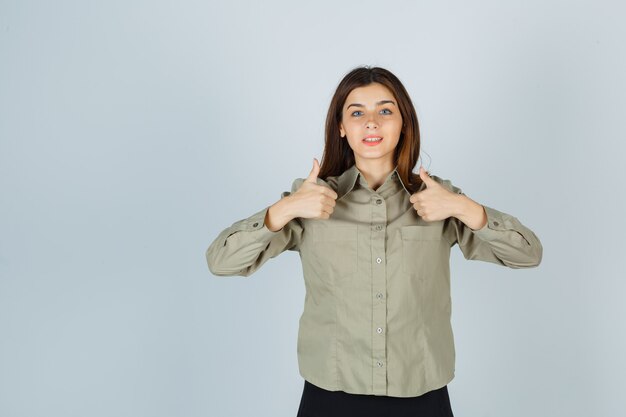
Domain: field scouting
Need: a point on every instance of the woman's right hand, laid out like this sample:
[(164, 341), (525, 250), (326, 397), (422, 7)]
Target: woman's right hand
[(313, 201)]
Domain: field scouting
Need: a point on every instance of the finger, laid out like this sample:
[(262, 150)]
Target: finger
[(313, 174), (426, 178), (416, 198), (329, 192), (328, 201), (327, 210)]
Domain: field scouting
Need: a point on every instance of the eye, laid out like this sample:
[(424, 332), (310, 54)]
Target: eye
[(359, 111)]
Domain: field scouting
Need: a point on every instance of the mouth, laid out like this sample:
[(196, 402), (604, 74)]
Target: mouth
[(372, 140)]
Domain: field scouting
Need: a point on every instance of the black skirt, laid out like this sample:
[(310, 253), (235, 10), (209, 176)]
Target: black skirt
[(318, 402)]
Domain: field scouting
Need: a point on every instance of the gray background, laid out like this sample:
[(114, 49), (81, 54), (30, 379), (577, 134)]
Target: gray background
[(133, 132)]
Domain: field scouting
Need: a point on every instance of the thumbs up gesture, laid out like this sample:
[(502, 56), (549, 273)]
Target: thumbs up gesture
[(435, 202), (313, 201)]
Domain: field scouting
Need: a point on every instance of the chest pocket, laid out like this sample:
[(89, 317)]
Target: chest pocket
[(335, 251), (421, 249)]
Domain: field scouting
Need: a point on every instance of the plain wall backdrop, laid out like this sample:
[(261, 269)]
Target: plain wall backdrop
[(133, 132)]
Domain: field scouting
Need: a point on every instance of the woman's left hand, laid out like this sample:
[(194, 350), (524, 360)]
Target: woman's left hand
[(435, 202)]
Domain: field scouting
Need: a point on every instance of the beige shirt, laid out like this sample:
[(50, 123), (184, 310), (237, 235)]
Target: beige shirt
[(377, 310)]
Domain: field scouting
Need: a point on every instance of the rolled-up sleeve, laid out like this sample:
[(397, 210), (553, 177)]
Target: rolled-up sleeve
[(247, 244), (503, 240)]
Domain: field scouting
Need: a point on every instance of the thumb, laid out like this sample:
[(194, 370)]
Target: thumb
[(313, 174), (426, 178)]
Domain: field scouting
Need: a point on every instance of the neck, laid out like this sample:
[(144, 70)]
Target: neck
[(375, 172)]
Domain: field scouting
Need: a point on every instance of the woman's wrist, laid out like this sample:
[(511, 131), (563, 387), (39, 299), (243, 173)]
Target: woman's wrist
[(471, 213), (279, 214)]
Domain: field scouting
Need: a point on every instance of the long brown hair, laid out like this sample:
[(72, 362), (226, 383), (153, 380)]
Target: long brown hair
[(338, 156)]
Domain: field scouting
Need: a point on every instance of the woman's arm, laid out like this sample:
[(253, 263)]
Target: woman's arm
[(279, 214), (471, 213), (486, 234), (247, 244)]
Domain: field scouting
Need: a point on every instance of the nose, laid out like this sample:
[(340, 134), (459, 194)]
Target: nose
[(371, 123)]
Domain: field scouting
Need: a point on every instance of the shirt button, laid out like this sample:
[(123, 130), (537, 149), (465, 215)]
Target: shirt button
[(379, 227), (379, 363), (379, 296), (255, 225), (496, 223), (378, 260), (379, 201), (379, 330)]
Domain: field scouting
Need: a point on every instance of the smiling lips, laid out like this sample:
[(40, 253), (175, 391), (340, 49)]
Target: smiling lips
[(372, 140)]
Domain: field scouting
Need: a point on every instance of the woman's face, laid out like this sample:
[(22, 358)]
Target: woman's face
[(371, 110)]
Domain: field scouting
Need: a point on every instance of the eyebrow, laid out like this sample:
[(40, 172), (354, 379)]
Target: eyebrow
[(378, 103)]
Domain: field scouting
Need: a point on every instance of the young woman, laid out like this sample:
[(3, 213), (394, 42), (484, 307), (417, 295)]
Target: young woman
[(375, 337)]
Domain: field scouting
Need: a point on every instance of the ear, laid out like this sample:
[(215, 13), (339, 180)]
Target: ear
[(341, 131)]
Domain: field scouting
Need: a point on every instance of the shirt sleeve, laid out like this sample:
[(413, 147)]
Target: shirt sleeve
[(503, 240), (247, 244)]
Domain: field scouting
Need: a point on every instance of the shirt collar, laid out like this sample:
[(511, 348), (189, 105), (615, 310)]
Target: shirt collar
[(348, 179)]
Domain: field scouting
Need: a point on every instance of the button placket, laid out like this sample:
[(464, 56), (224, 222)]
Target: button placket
[(379, 285)]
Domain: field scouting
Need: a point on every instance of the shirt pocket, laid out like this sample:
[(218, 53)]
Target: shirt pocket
[(335, 251), (421, 248)]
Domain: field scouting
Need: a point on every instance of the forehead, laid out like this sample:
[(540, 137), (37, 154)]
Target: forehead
[(368, 95)]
